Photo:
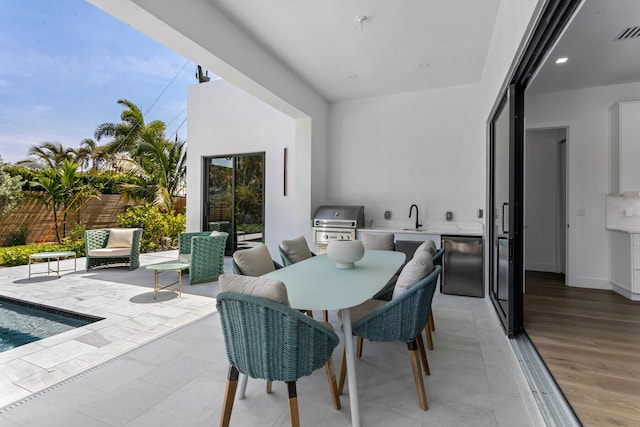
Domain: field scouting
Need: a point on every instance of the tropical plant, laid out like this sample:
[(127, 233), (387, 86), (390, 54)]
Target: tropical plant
[(10, 191), (62, 189), (155, 165), (92, 157), (47, 155), (156, 225), (125, 135), (158, 169)]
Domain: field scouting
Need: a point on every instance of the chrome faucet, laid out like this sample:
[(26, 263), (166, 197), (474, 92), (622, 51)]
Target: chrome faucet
[(418, 225)]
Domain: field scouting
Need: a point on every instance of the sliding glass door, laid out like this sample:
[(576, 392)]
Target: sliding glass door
[(234, 198), (506, 195)]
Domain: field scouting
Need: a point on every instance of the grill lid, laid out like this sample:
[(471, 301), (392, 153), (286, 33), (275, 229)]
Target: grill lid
[(339, 216)]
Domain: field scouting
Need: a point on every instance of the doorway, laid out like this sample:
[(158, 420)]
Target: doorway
[(545, 200), (234, 198)]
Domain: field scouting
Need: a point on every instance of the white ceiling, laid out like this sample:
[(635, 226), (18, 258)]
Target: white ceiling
[(404, 45), (596, 58)]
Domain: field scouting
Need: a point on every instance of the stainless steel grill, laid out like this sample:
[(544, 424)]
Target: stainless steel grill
[(336, 223)]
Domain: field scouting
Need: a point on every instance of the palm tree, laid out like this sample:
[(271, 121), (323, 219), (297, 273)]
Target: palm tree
[(126, 135), (62, 188), (159, 168), (47, 155), (93, 157)]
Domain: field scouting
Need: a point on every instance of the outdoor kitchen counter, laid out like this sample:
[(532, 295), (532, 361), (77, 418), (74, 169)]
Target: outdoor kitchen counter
[(429, 229)]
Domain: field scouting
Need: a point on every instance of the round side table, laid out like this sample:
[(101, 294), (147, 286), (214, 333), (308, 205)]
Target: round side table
[(162, 267)]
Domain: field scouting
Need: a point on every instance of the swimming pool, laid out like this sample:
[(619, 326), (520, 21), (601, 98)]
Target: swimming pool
[(22, 322)]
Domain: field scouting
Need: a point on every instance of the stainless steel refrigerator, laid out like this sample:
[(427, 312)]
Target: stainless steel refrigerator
[(462, 266)]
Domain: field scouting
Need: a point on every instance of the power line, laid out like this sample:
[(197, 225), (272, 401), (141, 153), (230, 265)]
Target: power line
[(167, 87)]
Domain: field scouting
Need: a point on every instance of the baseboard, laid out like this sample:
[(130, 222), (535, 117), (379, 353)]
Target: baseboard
[(625, 292), (591, 283), (540, 266)]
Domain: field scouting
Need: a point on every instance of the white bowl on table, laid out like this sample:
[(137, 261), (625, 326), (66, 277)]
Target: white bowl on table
[(345, 253)]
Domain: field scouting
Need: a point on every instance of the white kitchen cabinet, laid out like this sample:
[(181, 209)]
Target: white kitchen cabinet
[(624, 263), (625, 147)]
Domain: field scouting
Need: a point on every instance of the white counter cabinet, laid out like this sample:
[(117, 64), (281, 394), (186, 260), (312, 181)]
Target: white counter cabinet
[(625, 146), (624, 263)]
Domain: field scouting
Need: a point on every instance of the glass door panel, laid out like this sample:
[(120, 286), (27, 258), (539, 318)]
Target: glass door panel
[(234, 199), (249, 200), (506, 193), (500, 217)]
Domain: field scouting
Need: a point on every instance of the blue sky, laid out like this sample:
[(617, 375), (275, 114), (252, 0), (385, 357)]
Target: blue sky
[(65, 63)]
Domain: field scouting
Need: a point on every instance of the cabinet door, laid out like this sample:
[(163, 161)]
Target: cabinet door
[(629, 146)]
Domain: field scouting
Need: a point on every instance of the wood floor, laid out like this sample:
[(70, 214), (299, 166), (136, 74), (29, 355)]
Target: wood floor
[(590, 341)]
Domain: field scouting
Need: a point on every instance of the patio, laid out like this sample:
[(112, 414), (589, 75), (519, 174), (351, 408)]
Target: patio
[(163, 363)]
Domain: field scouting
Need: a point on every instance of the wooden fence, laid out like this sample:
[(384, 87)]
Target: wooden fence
[(39, 223), (38, 219)]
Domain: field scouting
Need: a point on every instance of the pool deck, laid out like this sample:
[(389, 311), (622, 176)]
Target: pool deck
[(123, 297)]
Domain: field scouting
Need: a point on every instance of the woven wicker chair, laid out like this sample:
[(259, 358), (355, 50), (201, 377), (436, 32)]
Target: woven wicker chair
[(299, 250), (401, 319), (204, 253), (268, 340), (97, 252), (287, 260), (236, 269), (431, 323)]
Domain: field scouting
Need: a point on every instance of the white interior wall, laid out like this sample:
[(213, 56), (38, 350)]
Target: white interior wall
[(586, 113), (542, 185), (225, 120), (420, 147)]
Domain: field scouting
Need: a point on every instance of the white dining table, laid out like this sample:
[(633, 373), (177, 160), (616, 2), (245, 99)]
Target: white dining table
[(316, 284)]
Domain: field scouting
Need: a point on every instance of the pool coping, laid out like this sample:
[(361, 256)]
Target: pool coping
[(123, 298)]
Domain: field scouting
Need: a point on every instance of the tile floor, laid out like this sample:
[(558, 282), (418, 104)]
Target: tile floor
[(162, 363)]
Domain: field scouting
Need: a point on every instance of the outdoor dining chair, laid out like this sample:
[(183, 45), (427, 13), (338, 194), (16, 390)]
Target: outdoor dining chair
[(401, 319), (296, 250), (265, 338), (381, 242), (254, 261)]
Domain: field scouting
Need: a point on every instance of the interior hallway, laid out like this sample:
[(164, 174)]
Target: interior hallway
[(589, 340)]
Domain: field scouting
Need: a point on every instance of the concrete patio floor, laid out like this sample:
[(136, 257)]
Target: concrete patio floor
[(163, 363)]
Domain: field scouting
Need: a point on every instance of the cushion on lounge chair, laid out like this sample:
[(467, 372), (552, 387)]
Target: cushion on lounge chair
[(255, 261), (296, 249), (417, 269), (256, 286), (110, 252), (120, 238), (184, 258), (378, 241)]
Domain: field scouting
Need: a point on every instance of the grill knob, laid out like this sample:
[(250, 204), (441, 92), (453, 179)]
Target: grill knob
[(326, 237)]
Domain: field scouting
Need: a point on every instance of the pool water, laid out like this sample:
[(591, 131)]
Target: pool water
[(22, 322)]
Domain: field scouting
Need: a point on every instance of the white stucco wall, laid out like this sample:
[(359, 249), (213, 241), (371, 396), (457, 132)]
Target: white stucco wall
[(420, 147), (225, 120), (204, 35), (586, 113)]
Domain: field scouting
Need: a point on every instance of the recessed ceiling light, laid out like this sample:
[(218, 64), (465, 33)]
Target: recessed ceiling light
[(562, 60)]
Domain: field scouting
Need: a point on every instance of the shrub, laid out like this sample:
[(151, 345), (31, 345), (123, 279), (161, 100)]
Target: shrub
[(19, 255), (155, 224), (17, 237)]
